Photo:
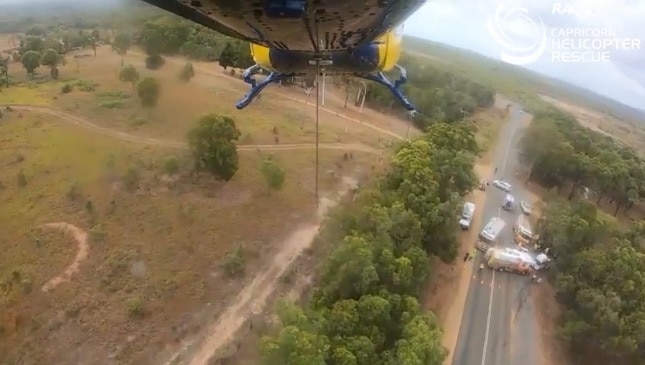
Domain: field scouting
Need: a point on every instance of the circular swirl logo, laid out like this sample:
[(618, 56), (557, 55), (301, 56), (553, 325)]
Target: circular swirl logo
[(522, 37)]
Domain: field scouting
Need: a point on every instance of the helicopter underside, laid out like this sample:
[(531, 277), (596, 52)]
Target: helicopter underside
[(297, 25), (332, 36)]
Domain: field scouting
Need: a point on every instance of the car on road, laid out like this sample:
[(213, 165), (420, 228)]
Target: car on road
[(482, 184), (527, 208), (501, 184)]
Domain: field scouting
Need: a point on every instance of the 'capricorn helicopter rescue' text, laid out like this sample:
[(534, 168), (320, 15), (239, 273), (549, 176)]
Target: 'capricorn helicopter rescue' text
[(588, 44)]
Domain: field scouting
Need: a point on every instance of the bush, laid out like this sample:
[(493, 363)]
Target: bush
[(234, 262), (111, 104), (131, 179), (136, 308), (66, 89), (171, 165), (154, 62), (187, 72), (273, 174)]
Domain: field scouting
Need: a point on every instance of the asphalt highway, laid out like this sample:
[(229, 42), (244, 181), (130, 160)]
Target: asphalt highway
[(499, 326)]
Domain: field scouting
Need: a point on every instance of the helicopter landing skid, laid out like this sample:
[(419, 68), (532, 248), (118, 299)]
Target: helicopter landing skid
[(275, 77), (394, 88), (257, 87)]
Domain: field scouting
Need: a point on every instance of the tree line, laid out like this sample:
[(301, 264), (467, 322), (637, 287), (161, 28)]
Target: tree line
[(364, 309), (599, 277), (438, 95), (598, 270), (561, 152)]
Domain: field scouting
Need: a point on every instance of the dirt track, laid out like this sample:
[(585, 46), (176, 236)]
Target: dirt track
[(80, 236), (81, 122), (254, 295)]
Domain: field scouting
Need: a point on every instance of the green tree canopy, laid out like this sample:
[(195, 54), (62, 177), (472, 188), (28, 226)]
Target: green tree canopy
[(149, 91), (212, 143)]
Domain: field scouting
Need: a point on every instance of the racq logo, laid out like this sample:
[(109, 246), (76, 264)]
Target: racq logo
[(524, 38)]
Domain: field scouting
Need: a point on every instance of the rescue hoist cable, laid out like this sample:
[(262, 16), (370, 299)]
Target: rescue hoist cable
[(318, 71)]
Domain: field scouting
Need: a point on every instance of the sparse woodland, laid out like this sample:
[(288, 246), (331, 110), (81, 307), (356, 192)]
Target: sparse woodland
[(599, 270), (364, 309)]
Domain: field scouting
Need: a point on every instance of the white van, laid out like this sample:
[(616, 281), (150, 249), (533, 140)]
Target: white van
[(467, 215)]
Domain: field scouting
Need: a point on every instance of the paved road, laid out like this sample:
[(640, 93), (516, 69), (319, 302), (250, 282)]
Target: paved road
[(498, 325)]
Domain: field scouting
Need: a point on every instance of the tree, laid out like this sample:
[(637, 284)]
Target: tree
[(605, 290), (31, 61), (36, 30), (152, 41), (51, 59), (273, 174), (121, 44), (227, 57), (187, 72), (129, 74), (149, 91), (212, 144), (31, 43), (4, 71)]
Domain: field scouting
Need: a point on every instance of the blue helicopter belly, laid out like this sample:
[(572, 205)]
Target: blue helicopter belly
[(297, 25)]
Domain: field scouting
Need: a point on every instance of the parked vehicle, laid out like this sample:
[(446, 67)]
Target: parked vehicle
[(509, 203), (482, 184), (488, 236), (511, 260), (526, 207), (501, 184), (522, 231), (467, 215)]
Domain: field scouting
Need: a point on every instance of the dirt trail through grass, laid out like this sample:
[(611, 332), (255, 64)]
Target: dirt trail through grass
[(80, 236), (81, 122), (252, 297)]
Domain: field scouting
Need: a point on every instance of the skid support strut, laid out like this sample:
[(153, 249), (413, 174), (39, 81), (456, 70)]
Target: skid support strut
[(274, 77), (393, 87), (257, 87)]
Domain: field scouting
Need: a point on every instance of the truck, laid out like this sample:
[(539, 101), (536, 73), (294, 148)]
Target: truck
[(488, 236), (511, 260), (467, 215), (522, 232), (509, 202)]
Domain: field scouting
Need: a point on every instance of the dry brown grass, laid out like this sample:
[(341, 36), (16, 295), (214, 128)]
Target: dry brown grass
[(631, 134), (161, 245), (155, 253)]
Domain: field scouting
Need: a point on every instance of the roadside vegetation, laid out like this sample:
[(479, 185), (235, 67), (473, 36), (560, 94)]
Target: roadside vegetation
[(599, 266), (562, 154), (365, 309)]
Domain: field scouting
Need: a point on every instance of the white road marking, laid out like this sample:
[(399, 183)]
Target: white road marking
[(492, 283), (490, 305)]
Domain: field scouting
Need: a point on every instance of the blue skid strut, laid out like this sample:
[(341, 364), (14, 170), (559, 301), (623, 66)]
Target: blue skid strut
[(274, 77)]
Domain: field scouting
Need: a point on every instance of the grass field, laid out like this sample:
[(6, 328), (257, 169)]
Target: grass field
[(154, 241), (160, 247), (163, 252)]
